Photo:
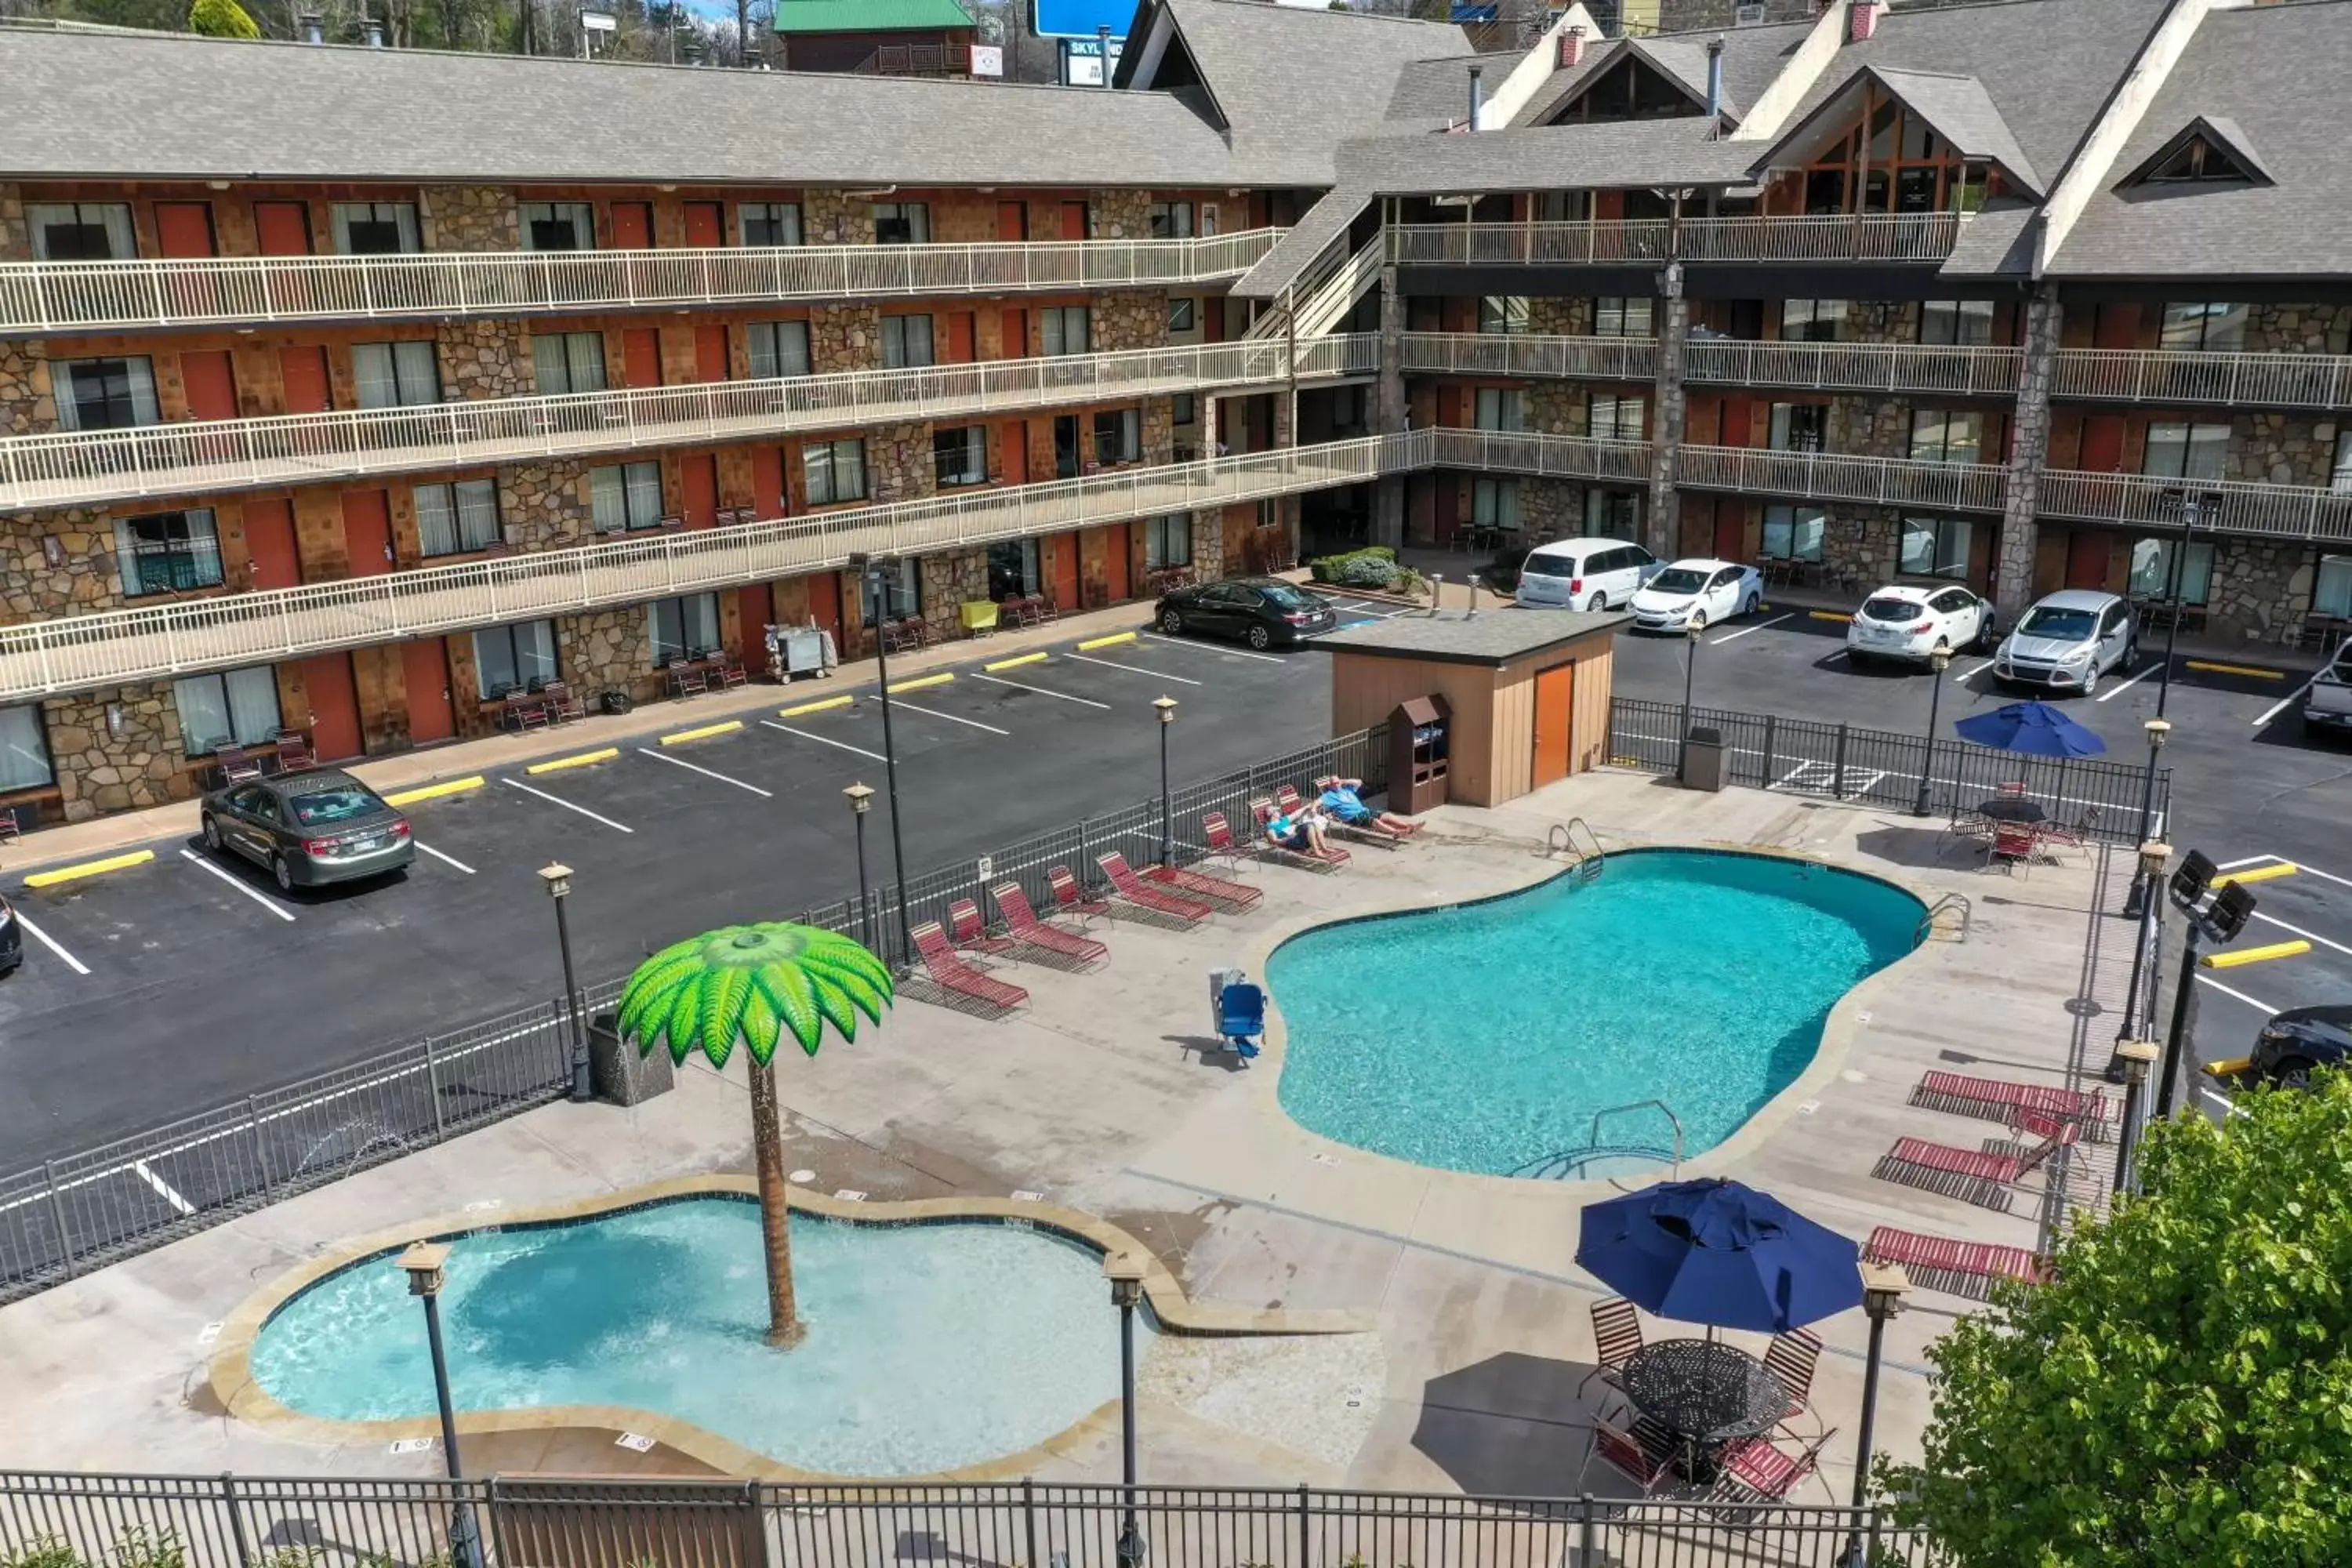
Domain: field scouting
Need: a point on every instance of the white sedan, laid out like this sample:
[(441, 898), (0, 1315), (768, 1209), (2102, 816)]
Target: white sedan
[(1911, 621), (1691, 595)]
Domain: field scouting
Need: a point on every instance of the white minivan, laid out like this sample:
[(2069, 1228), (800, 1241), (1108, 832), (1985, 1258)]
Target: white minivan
[(1585, 574)]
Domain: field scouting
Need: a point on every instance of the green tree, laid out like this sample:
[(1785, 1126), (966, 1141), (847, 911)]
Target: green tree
[(751, 985), (221, 19), (2181, 1392)]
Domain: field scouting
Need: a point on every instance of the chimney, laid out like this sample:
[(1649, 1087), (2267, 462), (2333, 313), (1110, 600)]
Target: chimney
[(1862, 23), (1102, 37), (1572, 47), (1473, 123), (1714, 83), (375, 34), (314, 28)]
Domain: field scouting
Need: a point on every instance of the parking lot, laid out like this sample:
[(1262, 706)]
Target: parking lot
[(169, 986)]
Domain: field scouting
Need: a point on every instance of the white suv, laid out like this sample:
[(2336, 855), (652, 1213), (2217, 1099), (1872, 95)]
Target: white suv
[(1909, 621), (1585, 574)]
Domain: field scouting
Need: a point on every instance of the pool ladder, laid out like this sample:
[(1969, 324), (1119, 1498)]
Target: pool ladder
[(1569, 1163), (1955, 902), (1585, 864)]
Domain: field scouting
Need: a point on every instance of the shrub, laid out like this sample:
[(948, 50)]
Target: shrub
[(221, 19), (1374, 567)]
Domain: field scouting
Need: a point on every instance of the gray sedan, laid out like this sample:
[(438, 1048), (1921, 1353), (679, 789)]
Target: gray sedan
[(309, 828)]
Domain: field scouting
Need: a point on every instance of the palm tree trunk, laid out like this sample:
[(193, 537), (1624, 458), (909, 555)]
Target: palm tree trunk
[(784, 1329)]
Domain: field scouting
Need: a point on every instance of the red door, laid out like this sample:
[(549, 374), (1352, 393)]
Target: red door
[(1736, 417), (960, 348), (1555, 720), (754, 611), (1017, 335), (1064, 548), (1730, 529), (2103, 443), (283, 228), (305, 373), (1074, 220), (1015, 447), (641, 357), (367, 533), (2086, 559), (1116, 563), (184, 228), (768, 482), (824, 603), (269, 544), (212, 389), (633, 226), (710, 354), (706, 226), (335, 705), (701, 476), (2117, 326), (1012, 221), (432, 716)]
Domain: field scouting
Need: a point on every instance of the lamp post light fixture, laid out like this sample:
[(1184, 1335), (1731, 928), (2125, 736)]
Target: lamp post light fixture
[(2133, 1060), (1938, 662), (1883, 1285), (2219, 921), (2157, 732), (558, 878), (875, 572), (1125, 1273), (425, 1264), (1167, 708), (861, 801)]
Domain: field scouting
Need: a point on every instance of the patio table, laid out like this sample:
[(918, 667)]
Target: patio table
[(1703, 1390), (2012, 809)]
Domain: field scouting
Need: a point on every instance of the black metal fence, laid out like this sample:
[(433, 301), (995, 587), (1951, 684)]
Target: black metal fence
[(229, 1521), (1879, 767), (70, 1216)]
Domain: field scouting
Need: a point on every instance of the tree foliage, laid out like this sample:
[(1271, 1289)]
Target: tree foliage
[(2180, 1394), (221, 19)]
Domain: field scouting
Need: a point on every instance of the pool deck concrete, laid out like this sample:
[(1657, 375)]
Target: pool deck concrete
[(1105, 1097)]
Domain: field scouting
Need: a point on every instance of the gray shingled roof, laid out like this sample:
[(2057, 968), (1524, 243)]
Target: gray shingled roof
[(1997, 242), (2268, 71), (1958, 106), (1433, 94), (1452, 637), (1752, 57)]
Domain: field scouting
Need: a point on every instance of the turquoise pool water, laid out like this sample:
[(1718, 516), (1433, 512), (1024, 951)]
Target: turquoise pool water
[(1484, 1038), (930, 1346)]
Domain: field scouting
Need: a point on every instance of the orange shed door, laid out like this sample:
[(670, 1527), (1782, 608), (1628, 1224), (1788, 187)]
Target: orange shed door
[(212, 389), (432, 716), (1555, 718), (184, 228), (706, 226), (282, 227)]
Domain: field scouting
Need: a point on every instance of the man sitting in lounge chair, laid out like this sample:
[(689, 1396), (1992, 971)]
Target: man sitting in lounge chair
[(1301, 832), (1339, 798)]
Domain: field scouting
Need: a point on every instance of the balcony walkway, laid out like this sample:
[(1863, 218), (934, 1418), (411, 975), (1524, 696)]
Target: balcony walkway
[(1906, 237)]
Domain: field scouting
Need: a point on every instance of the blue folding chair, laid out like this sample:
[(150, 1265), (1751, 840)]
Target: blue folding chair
[(1241, 1018)]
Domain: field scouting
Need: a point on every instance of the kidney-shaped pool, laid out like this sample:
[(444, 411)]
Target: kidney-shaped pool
[(1486, 1037)]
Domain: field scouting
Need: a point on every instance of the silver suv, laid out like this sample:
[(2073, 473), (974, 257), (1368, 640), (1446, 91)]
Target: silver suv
[(2067, 640)]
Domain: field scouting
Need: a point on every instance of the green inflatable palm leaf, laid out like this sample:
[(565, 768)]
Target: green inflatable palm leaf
[(754, 983)]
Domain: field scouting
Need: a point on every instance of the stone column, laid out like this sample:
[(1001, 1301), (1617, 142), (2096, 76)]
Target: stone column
[(1391, 413), (2013, 553), (1663, 532)]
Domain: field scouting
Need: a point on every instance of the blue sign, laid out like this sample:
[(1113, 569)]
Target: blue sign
[(1465, 11), (1081, 18)]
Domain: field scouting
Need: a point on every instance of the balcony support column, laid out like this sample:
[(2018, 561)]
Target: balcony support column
[(2014, 556), (1663, 533), (1390, 412)]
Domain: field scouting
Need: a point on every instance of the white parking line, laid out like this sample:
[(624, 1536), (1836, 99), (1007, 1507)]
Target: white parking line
[(1197, 647), (267, 903), (2237, 995), (2229, 1106), (1727, 637), (2272, 711), (448, 859), (706, 773), (1134, 669), (1040, 690), (45, 940), (1834, 658), (558, 800), (163, 1188), (824, 740), (952, 717), (2241, 865), (1972, 672), (2307, 936), (2114, 692)]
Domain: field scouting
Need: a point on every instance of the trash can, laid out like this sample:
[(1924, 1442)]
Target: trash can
[(618, 1073), (1702, 758)]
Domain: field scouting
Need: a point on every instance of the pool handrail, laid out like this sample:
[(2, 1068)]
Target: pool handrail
[(1562, 838)]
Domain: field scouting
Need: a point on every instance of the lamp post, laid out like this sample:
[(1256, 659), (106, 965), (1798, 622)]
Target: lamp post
[(2193, 504), (875, 575), (558, 878), (1938, 661), (425, 1263), (1690, 676), (2158, 731), (2132, 1060), (2219, 921), (1125, 1273), (861, 801), (1883, 1285), (1167, 708)]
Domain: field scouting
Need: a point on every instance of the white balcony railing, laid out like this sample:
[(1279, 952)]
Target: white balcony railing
[(1855, 367), (236, 629), (2289, 512), (1550, 457), (1909, 237), (1530, 355), (2255, 381), (52, 296), (1816, 476), (79, 467)]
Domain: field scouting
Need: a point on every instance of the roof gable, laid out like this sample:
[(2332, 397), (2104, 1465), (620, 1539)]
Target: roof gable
[(2208, 150), (1957, 108)]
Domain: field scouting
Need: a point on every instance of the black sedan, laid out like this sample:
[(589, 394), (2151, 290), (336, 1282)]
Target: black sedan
[(309, 828), (12, 939), (1261, 611), (2299, 1039)]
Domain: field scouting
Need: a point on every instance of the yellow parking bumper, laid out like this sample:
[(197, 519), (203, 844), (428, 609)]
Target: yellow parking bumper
[(2233, 1068)]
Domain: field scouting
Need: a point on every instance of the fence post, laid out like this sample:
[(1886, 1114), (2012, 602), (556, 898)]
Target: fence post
[(1837, 784), (235, 1520), (1306, 1542), (261, 1150), (1771, 734), (1029, 1519), (1584, 1531), (58, 1211), (755, 1528), (432, 1088)]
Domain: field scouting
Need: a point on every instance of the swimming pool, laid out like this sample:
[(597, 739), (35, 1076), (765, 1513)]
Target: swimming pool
[(1485, 1037), (930, 1347)]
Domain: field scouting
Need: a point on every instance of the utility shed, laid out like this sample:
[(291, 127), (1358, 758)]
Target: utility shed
[(1527, 690)]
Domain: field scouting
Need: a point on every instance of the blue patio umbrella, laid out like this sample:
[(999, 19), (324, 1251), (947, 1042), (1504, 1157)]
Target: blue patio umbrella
[(2034, 729), (1718, 1253)]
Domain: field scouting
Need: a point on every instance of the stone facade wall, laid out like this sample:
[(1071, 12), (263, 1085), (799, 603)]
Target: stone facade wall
[(28, 405), (899, 463), (2259, 585), (485, 359), (2295, 329), (469, 217), (1159, 430), (2282, 448), (1129, 318), (1119, 214), (33, 590), (1558, 316), (100, 771), (830, 218), (602, 649), (844, 337), (1870, 426), (1559, 407), (1208, 545), (544, 505), (950, 580), (1864, 539), (1550, 508)]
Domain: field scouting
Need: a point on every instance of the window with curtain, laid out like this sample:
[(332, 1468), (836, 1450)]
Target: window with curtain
[(1967, 323), (1813, 320), (1500, 408), (959, 456), (1269, 512), (902, 223), (1119, 436), (623, 496), (568, 361), (23, 750), (1013, 569), (1798, 427), (906, 341), (508, 658), (81, 231), (1171, 220), (457, 518), (1166, 542), (2151, 570), (558, 226), (105, 394), (2179, 451), (836, 471), (2339, 472), (684, 628), (1067, 328), (1183, 314), (1506, 313), (778, 348), (769, 223), (1614, 514), (2331, 590), (375, 229), (1794, 532), (230, 708), (1621, 317), (1946, 436), (1612, 417), (1494, 503), (168, 552), (395, 375), (894, 592), (1935, 546), (2206, 329)]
